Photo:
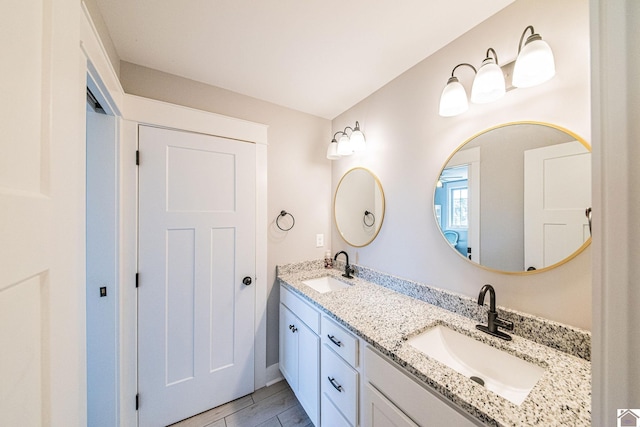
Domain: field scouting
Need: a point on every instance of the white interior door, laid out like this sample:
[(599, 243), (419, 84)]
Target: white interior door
[(557, 191), (197, 243)]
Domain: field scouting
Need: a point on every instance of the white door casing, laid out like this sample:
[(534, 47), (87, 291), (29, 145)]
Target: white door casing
[(471, 158), (555, 224), (197, 243)]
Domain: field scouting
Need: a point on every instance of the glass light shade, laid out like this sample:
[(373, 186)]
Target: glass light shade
[(453, 100), (357, 141), (488, 84), (332, 150), (344, 146), (535, 63)]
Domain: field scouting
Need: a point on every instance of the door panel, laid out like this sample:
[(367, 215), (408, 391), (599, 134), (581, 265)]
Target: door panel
[(197, 242), (557, 192)]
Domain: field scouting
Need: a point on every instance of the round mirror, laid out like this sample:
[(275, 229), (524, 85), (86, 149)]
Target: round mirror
[(359, 207), (516, 198)]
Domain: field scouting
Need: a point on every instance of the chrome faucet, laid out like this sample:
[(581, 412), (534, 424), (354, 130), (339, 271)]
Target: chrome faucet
[(494, 321), (348, 270)]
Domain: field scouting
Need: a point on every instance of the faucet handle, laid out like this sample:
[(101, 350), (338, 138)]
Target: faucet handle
[(348, 271), (504, 324)]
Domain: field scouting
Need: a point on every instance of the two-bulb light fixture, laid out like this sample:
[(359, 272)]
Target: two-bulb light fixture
[(347, 144), (533, 66)]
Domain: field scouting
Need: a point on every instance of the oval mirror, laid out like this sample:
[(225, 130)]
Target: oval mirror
[(359, 207), (515, 198)]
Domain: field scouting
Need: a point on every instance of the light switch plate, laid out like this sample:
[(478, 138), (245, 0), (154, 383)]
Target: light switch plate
[(319, 240)]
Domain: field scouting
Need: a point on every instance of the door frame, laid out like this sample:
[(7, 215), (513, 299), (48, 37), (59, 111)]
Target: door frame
[(143, 111), (130, 111)]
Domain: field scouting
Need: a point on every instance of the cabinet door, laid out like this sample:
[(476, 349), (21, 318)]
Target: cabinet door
[(380, 412), (289, 347), (308, 392), (331, 416)]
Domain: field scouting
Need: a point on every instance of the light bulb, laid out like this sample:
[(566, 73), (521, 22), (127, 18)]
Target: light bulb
[(488, 84), (344, 146), (453, 100), (358, 142), (535, 63), (332, 150)]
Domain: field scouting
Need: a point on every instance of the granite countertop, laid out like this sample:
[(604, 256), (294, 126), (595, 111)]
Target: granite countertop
[(386, 319)]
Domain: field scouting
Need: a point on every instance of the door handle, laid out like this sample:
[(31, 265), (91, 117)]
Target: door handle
[(247, 281)]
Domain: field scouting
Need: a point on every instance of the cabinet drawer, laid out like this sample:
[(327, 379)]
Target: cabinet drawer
[(340, 340), (424, 406), (339, 384), (309, 315)]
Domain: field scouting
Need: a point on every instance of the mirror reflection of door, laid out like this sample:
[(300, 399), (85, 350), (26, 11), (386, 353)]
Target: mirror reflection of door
[(556, 194), (458, 194)]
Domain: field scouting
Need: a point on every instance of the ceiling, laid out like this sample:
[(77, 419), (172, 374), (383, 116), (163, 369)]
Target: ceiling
[(316, 56)]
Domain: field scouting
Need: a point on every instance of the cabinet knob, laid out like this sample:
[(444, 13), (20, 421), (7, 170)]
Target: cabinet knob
[(292, 328)]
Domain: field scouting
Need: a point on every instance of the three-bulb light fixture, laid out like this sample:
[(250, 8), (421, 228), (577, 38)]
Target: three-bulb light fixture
[(533, 66), (347, 144)]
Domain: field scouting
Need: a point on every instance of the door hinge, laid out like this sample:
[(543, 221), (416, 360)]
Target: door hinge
[(137, 279), (137, 401), (137, 157)]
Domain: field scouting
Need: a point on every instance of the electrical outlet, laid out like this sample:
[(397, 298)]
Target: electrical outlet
[(103, 291), (319, 240)]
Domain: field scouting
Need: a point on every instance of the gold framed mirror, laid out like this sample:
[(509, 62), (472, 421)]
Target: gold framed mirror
[(359, 207), (514, 198)]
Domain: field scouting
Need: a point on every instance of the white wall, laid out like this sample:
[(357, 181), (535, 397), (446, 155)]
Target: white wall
[(408, 143), (298, 172)]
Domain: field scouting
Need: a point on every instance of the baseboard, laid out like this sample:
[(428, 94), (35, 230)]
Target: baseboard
[(273, 374)]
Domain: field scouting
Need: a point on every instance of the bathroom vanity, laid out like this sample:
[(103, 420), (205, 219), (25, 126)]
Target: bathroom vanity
[(351, 353)]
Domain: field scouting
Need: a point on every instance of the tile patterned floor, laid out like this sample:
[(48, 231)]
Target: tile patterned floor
[(274, 406)]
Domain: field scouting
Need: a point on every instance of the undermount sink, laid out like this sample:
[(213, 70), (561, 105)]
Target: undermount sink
[(325, 284), (500, 372)]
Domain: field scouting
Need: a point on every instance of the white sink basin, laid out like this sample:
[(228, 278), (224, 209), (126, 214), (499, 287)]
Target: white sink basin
[(325, 284), (502, 373)]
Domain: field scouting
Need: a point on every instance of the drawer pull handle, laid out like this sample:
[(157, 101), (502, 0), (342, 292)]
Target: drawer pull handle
[(293, 328), (334, 340), (335, 384)]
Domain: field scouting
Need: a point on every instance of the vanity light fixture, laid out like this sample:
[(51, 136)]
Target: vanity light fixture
[(453, 100), (533, 66), (488, 85), (535, 63), (347, 144), (332, 150)]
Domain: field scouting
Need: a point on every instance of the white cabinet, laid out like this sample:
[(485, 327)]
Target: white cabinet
[(300, 351), (342, 382), (393, 398), (339, 379)]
